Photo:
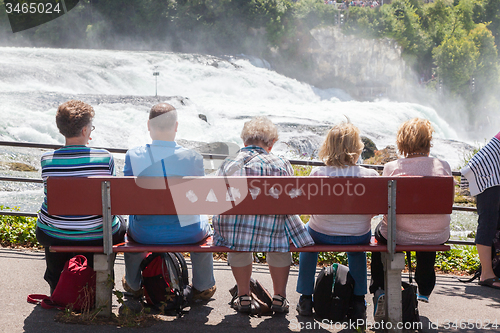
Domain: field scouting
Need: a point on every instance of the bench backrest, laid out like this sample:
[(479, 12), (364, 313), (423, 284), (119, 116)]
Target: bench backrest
[(249, 195)]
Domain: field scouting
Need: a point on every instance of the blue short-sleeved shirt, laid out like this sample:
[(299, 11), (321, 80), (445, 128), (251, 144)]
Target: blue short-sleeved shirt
[(159, 159)]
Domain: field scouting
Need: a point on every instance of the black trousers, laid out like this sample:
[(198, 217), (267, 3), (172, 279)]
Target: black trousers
[(55, 261), (488, 211), (425, 276)]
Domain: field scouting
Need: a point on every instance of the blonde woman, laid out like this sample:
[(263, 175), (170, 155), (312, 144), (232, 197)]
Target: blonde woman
[(414, 143), (340, 152)]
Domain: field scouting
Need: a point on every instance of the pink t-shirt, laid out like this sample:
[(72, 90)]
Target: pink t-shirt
[(414, 228)]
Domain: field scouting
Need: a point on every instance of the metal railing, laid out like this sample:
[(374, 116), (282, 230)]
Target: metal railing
[(205, 156)]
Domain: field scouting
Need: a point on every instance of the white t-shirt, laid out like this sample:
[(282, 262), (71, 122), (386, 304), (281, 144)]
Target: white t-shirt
[(342, 225)]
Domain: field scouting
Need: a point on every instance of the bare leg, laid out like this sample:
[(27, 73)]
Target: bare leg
[(279, 275), (242, 276), (485, 258)]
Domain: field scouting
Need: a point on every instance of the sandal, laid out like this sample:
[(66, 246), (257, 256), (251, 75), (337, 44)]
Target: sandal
[(282, 307), (489, 283), (242, 304)]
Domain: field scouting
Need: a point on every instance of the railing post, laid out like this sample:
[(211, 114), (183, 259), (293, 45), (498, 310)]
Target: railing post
[(103, 262)]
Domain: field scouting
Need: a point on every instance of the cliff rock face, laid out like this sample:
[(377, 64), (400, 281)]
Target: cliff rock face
[(366, 68)]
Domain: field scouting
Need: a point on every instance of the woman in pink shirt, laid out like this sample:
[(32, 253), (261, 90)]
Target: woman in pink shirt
[(414, 142)]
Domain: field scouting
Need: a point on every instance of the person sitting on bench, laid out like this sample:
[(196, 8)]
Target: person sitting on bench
[(259, 233), (340, 152), (74, 121), (414, 142), (162, 158)]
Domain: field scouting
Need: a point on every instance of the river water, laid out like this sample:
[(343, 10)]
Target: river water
[(121, 87)]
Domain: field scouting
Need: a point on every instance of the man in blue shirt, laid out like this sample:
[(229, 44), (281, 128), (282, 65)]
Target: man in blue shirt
[(164, 157)]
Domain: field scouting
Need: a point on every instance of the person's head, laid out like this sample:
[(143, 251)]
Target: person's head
[(414, 136), (162, 122), (342, 146), (259, 131), (73, 117)]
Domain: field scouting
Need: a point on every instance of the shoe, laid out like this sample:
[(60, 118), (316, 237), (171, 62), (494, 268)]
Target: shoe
[(130, 306), (204, 295), (422, 298), (282, 307), (305, 306), (379, 305), (489, 283), (242, 304), (131, 292)]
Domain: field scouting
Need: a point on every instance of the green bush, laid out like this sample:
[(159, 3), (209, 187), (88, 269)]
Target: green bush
[(17, 230), (460, 258)]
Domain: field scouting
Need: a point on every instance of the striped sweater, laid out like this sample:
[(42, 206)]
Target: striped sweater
[(74, 161), (483, 170)]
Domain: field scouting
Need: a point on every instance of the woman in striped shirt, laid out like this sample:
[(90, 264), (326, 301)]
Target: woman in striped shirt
[(74, 121)]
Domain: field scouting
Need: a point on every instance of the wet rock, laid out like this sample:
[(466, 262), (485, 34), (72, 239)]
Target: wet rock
[(383, 156), (203, 117), (369, 149), (17, 166)]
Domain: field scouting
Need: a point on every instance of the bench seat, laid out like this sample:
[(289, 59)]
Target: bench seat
[(207, 246)]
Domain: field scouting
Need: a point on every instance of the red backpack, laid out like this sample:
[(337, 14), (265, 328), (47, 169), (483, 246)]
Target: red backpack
[(75, 289), (165, 281)]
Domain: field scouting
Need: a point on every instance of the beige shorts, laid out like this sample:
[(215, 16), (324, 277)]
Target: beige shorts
[(275, 259)]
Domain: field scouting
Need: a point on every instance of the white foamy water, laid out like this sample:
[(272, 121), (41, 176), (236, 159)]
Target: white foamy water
[(34, 81)]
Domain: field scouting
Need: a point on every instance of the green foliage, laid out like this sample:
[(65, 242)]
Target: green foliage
[(17, 230), (468, 155), (487, 67), (301, 170), (456, 62), (407, 30), (460, 258), (369, 22), (326, 258), (312, 13), (438, 21)]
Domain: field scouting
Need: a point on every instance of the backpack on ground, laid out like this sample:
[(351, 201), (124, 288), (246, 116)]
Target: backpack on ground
[(261, 298), (165, 281), (495, 260), (333, 292), (75, 289)]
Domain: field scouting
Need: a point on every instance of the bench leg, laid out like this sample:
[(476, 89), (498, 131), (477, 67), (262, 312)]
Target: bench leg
[(393, 303), (103, 266)]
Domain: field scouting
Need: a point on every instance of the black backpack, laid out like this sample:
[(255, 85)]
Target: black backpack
[(165, 281), (333, 293), (495, 260)]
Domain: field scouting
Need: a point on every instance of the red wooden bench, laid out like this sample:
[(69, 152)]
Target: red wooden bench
[(251, 195)]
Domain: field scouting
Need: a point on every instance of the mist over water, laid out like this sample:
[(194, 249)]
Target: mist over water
[(34, 81)]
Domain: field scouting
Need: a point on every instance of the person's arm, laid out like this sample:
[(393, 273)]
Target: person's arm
[(112, 169), (198, 168), (127, 168), (388, 169)]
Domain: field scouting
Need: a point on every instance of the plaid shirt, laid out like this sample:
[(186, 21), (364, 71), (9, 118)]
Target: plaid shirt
[(258, 233)]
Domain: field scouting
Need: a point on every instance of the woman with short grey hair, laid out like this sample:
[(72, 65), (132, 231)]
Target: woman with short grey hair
[(252, 233)]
